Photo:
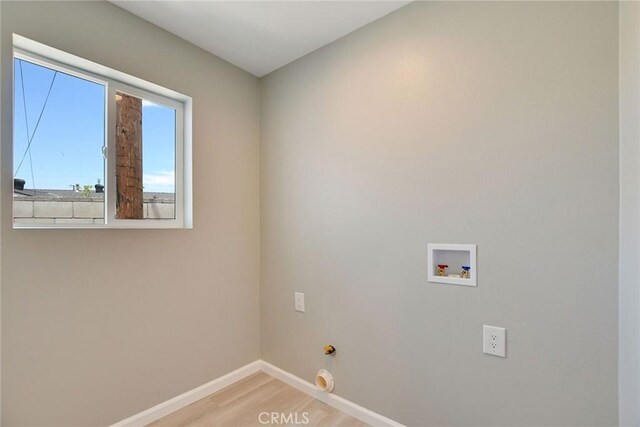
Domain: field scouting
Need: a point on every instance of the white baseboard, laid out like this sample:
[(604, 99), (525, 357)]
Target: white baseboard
[(337, 402), (178, 402), (165, 408)]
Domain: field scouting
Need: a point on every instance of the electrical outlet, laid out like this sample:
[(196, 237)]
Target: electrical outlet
[(298, 301), (494, 340)]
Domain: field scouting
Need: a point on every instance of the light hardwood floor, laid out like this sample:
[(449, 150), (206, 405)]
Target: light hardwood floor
[(241, 404)]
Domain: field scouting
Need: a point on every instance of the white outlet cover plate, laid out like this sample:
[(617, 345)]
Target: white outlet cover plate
[(299, 301), (494, 340)]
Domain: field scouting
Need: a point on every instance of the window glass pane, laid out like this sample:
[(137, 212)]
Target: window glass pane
[(59, 132), (159, 160), (145, 159)]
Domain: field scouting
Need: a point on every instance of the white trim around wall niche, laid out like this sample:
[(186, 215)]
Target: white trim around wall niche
[(165, 408)]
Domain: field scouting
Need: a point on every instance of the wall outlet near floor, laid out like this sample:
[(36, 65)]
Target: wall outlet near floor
[(494, 340), (298, 301)]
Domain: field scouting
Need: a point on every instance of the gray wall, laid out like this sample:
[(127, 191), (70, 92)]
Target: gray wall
[(449, 122), (100, 324), (629, 287)]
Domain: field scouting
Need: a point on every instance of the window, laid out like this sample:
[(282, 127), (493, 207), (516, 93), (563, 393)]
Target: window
[(93, 147)]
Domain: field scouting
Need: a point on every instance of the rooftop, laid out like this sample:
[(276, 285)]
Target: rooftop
[(73, 195)]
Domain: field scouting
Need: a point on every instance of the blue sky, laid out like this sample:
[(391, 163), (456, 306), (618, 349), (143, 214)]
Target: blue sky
[(67, 146)]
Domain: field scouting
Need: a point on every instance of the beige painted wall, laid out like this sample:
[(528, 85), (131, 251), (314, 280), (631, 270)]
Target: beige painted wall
[(100, 324), (449, 122), (629, 286)]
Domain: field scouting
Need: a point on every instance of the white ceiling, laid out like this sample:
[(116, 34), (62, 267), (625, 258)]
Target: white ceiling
[(260, 36)]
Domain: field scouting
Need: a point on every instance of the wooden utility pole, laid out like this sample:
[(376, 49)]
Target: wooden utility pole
[(129, 202)]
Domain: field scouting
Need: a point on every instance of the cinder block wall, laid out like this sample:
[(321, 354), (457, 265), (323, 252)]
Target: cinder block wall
[(80, 210)]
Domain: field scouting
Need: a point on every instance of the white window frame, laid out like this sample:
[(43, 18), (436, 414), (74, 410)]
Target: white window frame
[(116, 81)]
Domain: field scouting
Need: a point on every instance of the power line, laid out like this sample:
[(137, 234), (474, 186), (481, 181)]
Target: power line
[(27, 150), (26, 121)]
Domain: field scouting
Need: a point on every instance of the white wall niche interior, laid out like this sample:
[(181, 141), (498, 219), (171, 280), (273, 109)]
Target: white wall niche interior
[(455, 256)]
